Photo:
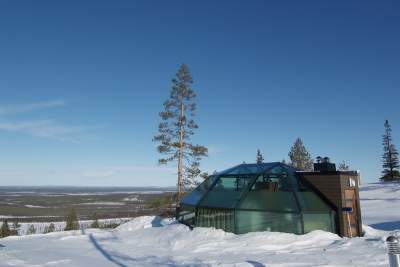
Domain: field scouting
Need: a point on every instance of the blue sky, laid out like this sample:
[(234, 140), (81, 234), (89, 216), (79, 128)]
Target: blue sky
[(82, 82)]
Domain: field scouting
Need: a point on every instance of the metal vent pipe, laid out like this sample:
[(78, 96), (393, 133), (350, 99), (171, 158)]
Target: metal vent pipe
[(393, 247)]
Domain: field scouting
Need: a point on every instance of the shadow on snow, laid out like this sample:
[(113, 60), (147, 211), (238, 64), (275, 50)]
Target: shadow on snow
[(386, 226)]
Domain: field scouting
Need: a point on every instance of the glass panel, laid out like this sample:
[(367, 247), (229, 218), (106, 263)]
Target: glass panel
[(310, 201), (226, 192), (217, 218), (273, 182), (194, 197), (285, 178), (256, 168), (187, 215), (231, 184), (250, 221), (319, 221), (272, 192), (228, 170), (277, 169), (241, 169), (271, 201)]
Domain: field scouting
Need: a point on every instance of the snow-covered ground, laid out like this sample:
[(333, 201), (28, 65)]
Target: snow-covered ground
[(150, 241)]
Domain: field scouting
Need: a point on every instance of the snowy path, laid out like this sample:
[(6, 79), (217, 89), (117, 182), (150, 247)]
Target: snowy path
[(149, 241)]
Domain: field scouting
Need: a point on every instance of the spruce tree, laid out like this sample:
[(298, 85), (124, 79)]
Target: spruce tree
[(52, 228), (31, 230), (5, 229), (390, 156), (95, 222), (259, 158), (49, 228), (15, 227), (72, 221), (299, 156), (175, 131), (16, 224)]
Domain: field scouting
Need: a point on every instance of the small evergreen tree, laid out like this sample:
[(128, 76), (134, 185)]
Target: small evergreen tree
[(49, 229), (95, 223), (343, 166), (299, 156), (31, 230), (52, 228), (176, 128), (16, 224), (15, 227), (72, 222), (390, 156), (260, 158), (5, 229)]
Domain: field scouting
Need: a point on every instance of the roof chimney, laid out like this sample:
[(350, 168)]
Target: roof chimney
[(324, 165)]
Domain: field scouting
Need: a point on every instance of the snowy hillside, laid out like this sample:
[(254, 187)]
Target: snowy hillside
[(150, 241), (380, 204)]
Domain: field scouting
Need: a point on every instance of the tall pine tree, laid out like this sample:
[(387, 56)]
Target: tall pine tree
[(299, 156), (260, 158), (175, 131), (390, 156)]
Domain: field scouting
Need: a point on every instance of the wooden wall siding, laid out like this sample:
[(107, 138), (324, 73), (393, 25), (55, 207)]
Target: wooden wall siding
[(344, 178), (333, 186)]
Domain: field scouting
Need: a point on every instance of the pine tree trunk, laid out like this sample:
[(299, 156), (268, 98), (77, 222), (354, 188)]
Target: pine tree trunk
[(180, 158)]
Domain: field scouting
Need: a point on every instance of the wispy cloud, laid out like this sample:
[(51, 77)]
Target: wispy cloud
[(48, 128), (30, 107), (44, 128)]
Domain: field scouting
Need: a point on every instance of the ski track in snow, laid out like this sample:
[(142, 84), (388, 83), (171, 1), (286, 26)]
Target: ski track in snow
[(151, 241)]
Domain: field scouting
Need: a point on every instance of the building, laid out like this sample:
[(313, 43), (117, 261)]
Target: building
[(275, 197)]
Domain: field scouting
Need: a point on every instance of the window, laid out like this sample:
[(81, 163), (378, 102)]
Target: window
[(226, 192), (231, 184), (272, 183), (195, 196)]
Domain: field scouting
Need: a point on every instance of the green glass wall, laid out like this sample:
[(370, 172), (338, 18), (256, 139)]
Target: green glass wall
[(218, 218), (257, 197), (226, 192), (198, 193), (187, 215), (319, 221), (256, 221)]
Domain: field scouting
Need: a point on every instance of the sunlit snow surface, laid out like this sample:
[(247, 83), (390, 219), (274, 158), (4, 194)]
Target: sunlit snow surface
[(150, 241)]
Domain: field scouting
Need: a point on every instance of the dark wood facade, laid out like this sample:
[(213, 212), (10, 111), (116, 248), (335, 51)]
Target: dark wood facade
[(340, 190)]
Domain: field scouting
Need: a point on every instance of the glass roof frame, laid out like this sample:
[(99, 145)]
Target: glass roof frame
[(262, 168)]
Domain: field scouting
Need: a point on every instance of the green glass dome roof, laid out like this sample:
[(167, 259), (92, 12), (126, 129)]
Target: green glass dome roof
[(255, 197)]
